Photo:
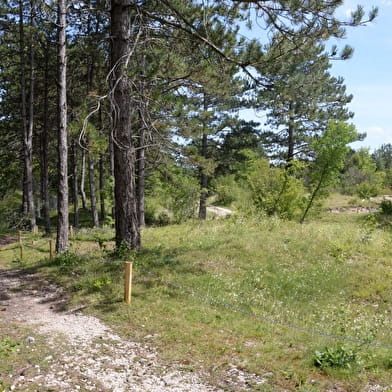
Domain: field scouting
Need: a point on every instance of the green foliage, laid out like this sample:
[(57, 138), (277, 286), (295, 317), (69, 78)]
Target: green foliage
[(275, 190), (7, 346), (339, 357), (101, 282), (121, 252), (11, 217), (386, 207), (367, 189), (330, 150), (171, 197), (68, 261), (360, 175), (228, 191)]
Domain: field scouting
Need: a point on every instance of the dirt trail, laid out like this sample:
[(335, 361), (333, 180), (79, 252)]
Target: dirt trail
[(87, 355)]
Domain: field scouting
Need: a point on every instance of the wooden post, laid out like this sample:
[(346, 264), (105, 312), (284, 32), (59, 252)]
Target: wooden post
[(128, 282), (71, 231), (51, 250)]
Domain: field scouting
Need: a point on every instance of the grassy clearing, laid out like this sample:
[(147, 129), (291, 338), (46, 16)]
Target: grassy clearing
[(19, 357), (330, 277)]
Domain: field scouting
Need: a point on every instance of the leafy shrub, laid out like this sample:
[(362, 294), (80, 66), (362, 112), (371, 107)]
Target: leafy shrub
[(7, 346), (172, 199), (231, 192), (275, 191), (122, 252), (339, 357), (386, 207), (67, 261), (101, 282), (367, 189), (11, 218)]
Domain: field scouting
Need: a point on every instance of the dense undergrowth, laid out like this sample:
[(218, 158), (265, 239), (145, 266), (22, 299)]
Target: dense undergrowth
[(306, 306)]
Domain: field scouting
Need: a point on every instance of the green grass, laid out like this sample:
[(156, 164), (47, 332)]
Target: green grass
[(205, 280)]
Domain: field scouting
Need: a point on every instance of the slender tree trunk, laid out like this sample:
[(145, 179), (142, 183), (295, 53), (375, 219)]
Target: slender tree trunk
[(62, 209), (28, 147), (111, 169), (291, 135), (93, 194), (75, 183), (141, 177), (83, 180), (203, 181), (203, 175), (102, 189), (126, 221), (23, 111), (45, 150), (313, 196)]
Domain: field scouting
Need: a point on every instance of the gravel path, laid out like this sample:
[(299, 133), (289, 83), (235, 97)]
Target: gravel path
[(87, 355)]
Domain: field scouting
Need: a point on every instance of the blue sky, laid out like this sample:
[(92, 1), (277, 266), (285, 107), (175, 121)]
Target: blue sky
[(368, 74)]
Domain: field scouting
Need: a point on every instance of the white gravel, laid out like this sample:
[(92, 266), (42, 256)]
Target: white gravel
[(92, 357)]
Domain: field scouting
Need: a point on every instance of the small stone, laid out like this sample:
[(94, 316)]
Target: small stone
[(30, 340)]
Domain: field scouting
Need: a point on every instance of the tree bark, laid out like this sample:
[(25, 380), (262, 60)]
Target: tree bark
[(203, 181), (203, 175), (126, 221), (93, 194), (102, 189), (291, 135), (75, 187), (141, 178), (28, 147), (45, 149), (23, 113), (83, 180), (62, 209)]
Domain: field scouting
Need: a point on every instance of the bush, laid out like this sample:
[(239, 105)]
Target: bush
[(68, 261), (172, 199), (11, 217), (386, 207), (275, 191), (368, 189), (339, 357), (232, 193)]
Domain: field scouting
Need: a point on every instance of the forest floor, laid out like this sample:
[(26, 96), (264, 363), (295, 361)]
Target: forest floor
[(64, 351)]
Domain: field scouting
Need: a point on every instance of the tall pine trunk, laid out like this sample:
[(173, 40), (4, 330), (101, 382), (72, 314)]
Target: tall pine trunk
[(75, 197), (126, 221), (45, 148), (102, 190), (28, 147), (141, 178), (23, 109), (203, 181), (291, 135), (62, 209)]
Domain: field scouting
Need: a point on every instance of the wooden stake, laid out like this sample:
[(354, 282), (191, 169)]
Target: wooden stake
[(51, 250), (128, 282)]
